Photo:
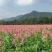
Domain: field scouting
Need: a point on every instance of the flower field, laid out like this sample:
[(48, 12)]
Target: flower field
[(26, 29), (25, 38)]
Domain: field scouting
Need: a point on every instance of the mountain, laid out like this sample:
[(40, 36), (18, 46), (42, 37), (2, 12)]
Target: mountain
[(36, 14), (12, 18), (33, 14)]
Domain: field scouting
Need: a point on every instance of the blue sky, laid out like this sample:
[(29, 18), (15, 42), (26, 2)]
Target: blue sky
[(11, 8)]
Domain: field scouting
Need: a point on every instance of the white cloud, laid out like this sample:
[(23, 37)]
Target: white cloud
[(29, 2), (24, 2)]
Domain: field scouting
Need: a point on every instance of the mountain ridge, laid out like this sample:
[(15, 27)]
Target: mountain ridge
[(32, 14)]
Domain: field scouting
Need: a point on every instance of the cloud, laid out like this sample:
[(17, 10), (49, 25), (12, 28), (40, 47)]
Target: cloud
[(8, 14), (24, 2), (49, 1), (2, 2), (46, 1)]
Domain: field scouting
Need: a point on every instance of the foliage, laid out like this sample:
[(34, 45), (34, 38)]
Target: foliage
[(39, 20), (33, 43)]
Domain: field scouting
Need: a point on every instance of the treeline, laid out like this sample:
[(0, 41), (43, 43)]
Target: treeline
[(30, 21)]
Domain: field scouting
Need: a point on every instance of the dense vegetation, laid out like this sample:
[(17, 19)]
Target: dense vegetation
[(34, 43), (42, 20)]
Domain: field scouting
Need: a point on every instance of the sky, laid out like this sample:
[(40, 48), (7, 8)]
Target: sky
[(12, 8)]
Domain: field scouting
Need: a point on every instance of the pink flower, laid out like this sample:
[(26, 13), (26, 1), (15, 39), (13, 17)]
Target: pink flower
[(14, 41)]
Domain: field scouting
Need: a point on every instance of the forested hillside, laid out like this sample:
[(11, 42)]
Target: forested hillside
[(41, 20)]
